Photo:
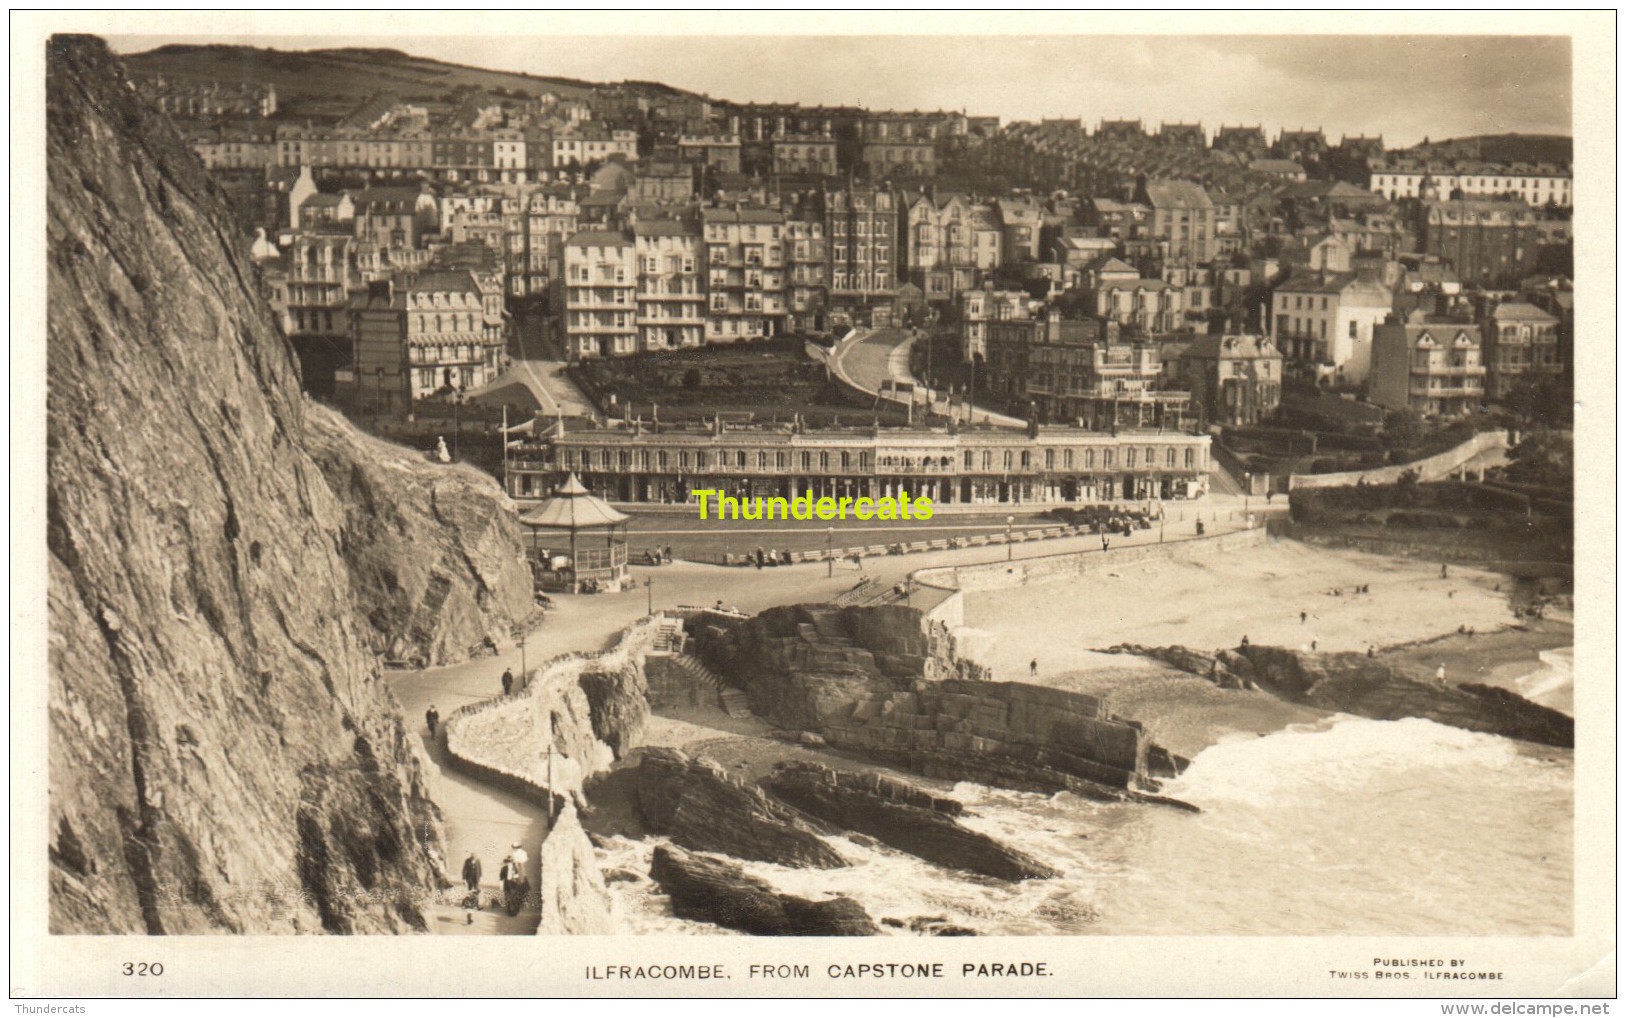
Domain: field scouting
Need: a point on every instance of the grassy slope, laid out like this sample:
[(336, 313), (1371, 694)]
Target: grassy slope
[(353, 73)]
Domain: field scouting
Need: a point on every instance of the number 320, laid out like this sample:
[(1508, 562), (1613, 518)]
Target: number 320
[(143, 968)]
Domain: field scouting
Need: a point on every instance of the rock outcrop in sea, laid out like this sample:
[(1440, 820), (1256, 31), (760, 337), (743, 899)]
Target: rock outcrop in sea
[(901, 816), (698, 806), (226, 562), (1371, 688), (715, 891)]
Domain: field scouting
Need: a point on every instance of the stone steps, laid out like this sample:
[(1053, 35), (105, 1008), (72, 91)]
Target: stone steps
[(731, 701), (669, 636)]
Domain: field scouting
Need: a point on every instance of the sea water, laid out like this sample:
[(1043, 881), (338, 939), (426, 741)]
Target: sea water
[(1345, 826)]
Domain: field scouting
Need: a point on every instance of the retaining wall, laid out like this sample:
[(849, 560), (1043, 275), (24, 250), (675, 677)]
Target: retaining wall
[(572, 892), (1432, 468)]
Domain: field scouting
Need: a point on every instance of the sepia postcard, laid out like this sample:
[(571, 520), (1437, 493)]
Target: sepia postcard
[(1025, 506)]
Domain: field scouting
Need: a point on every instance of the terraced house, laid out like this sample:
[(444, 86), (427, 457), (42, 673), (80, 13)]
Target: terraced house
[(601, 291), (671, 291)]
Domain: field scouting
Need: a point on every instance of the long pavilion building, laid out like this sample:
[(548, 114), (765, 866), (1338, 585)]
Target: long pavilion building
[(966, 467)]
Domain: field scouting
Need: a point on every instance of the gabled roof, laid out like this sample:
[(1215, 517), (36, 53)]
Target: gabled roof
[(1177, 194), (664, 228), (1115, 265), (1521, 311), (1214, 347), (598, 238)]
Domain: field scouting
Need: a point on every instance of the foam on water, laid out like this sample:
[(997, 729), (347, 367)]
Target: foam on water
[(1345, 826)]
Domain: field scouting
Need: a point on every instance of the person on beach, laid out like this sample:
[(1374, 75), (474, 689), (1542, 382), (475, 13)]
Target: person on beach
[(1439, 674), (472, 872), (1443, 573), (431, 717), (1033, 668), (1304, 617), (507, 681), (666, 555), (1244, 641)]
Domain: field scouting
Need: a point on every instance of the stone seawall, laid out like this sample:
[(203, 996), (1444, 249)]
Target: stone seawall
[(1049, 568)]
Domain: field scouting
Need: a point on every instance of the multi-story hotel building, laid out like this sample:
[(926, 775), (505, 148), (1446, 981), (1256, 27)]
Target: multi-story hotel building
[(1429, 367), (1535, 184), (745, 272), (861, 233), (805, 154), (601, 284), (1324, 322), (422, 334), (995, 467), (809, 272), (1079, 371), (671, 297), (1520, 340)]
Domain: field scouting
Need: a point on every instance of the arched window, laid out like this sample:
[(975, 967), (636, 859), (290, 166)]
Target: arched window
[(1191, 458), (1129, 459), (1007, 459), (1168, 460)]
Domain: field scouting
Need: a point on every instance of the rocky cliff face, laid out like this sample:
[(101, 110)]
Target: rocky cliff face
[(435, 552), (223, 753)]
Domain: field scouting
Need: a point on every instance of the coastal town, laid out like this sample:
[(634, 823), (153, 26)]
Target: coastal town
[(1240, 459)]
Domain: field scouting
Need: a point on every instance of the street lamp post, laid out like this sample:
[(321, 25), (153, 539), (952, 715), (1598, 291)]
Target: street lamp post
[(829, 551), (1010, 552)]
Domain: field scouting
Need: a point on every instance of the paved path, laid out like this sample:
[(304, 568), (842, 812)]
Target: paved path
[(867, 358)]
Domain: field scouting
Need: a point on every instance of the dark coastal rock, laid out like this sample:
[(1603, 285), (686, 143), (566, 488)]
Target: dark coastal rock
[(801, 665), (618, 708), (1009, 734), (714, 891), (224, 754), (901, 816), (698, 806), (1371, 688)]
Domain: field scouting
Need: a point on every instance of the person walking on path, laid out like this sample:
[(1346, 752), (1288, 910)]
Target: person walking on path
[(507, 681), (667, 554), (431, 717), (472, 872)]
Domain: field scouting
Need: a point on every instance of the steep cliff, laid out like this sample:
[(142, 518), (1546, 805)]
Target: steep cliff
[(223, 753), (435, 552)]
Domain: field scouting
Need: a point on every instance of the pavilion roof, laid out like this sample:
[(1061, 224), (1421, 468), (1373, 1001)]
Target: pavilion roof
[(573, 507)]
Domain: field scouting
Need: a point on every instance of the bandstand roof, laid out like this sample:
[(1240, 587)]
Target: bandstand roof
[(573, 507)]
